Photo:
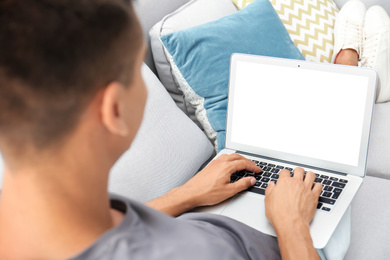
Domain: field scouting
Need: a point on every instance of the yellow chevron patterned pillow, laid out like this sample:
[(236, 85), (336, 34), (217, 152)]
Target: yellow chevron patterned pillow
[(310, 24)]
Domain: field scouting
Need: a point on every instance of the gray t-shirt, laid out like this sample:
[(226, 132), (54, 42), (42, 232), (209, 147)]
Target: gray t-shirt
[(148, 234)]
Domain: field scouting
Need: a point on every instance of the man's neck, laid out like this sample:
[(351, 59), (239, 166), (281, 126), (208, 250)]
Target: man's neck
[(44, 214)]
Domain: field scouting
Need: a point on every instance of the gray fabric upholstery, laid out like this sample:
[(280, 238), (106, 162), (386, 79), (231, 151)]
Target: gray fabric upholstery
[(168, 150), (370, 227), (378, 162), (149, 13)]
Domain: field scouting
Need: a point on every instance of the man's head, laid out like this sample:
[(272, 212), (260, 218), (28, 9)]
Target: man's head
[(55, 56)]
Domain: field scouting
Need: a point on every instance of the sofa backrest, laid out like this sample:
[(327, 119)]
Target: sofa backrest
[(149, 13)]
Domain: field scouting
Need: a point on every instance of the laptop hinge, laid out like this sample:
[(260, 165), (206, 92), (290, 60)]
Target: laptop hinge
[(295, 163)]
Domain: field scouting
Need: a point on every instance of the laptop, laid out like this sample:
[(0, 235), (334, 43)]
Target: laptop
[(286, 113)]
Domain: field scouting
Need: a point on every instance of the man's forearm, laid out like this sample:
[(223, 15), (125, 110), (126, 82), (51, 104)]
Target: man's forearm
[(295, 242), (208, 187), (174, 203)]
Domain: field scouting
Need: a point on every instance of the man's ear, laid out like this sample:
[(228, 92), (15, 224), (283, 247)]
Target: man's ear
[(112, 109)]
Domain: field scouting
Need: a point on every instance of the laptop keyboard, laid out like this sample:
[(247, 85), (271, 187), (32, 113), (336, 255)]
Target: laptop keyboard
[(331, 186)]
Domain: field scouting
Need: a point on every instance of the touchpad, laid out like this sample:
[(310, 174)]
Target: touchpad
[(249, 209)]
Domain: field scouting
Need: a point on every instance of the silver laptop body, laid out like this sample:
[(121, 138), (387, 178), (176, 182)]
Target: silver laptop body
[(293, 113)]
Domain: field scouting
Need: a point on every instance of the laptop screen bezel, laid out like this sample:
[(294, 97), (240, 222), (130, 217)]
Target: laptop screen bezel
[(358, 170)]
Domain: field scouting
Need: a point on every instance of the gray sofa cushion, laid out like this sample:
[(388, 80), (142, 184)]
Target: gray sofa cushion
[(168, 150), (370, 237), (378, 162)]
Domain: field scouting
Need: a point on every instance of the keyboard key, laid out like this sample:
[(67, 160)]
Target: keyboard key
[(336, 196), (326, 200), (338, 185), (328, 188), (241, 173), (319, 205), (257, 190), (233, 179), (267, 174), (317, 175), (271, 165), (263, 163), (274, 170), (327, 194), (337, 190), (258, 173), (274, 180), (324, 177), (257, 162), (257, 184), (280, 167), (267, 169), (265, 179), (319, 180), (326, 182), (343, 181), (265, 185), (325, 209), (333, 179), (290, 169), (275, 176), (258, 177)]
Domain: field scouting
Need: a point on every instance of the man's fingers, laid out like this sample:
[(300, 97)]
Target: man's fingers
[(269, 189), (239, 165), (299, 173), (317, 188), (234, 156), (243, 184), (284, 174), (309, 179)]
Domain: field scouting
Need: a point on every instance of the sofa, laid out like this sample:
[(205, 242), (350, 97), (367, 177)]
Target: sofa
[(170, 148)]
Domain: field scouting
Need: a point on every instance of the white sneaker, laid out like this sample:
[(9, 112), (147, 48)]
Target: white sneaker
[(348, 31), (376, 49)]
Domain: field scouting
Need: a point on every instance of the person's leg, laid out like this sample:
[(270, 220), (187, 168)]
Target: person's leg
[(347, 57), (376, 49), (348, 33)]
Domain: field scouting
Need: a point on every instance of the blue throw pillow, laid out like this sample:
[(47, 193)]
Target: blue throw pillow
[(200, 58)]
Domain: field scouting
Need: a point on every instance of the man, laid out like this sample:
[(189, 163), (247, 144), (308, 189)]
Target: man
[(72, 100)]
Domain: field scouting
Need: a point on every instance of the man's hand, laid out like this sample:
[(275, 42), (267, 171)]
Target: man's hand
[(208, 187), (292, 198), (290, 206), (212, 185)]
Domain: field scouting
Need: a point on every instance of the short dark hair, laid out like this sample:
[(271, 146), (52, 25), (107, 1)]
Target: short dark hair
[(54, 56)]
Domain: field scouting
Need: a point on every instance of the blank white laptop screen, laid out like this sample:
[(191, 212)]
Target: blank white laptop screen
[(321, 117)]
